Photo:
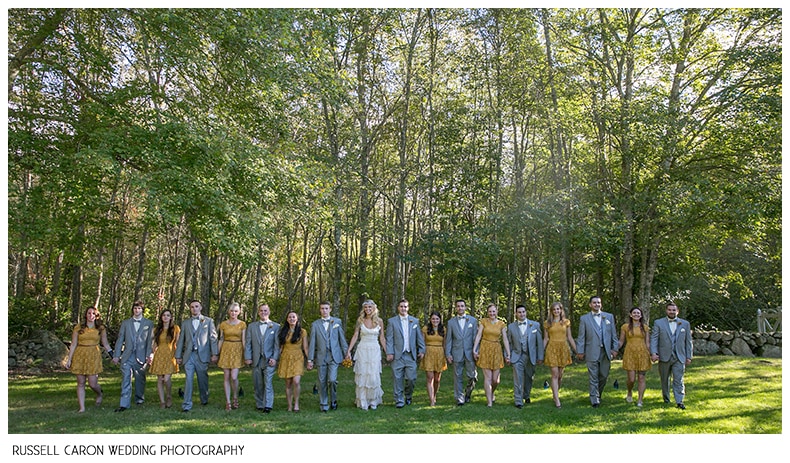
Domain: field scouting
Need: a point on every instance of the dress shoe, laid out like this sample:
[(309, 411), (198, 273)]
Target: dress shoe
[(666, 400), (139, 402), (204, 403), (186, 410), (408, 401), (121, 409), (260, 409), (519, 406), (333, 406), (459, 404), (399, 406), (467, 397), (526, 401), (267, 409), (323, 410), (596, 405), (681, 406)]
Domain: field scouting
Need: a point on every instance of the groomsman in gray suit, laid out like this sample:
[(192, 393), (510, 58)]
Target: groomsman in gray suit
[(196, 346), (327, 348), (458, 345), (133, 346), (262, 351), (405, 345), (670, 344), (597, 344), (526, 350)]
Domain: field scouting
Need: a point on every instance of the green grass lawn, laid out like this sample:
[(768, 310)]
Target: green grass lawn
[(724, 395)]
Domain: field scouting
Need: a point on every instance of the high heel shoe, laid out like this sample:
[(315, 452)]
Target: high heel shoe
[(235, 404), (162, 405), (227, 406)]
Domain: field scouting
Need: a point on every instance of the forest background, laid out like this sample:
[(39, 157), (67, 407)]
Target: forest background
[(300, 155)]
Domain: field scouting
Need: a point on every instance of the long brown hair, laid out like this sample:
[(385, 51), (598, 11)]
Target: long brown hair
[(161, 326), (641, 321), (98, 324)]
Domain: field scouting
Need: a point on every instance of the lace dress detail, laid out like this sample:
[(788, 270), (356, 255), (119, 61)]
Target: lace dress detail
[(367, 368)]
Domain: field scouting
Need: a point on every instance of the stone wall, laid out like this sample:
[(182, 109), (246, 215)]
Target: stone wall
[(738, 343), (43, 349)]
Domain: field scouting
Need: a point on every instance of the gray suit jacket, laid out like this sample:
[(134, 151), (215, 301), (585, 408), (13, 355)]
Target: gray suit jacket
[(664, 344), (262, 348), (321, 340), (206, 336), (395, 337), (534, 341), (589, 338), (459, 344), (132, 343)]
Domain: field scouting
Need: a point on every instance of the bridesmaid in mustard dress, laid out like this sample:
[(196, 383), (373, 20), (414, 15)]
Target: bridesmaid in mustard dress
[(636, 358), (488, 351), (434, 361), (293, 352), (557, 355), (163, 362), (231, 353), (85, 357)]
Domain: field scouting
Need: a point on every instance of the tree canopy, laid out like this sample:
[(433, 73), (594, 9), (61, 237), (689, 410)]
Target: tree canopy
[(301, 155)]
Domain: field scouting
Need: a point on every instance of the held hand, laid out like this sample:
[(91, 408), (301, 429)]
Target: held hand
[(272, 362), (477, 356), (248, 362), (178, 361), (309, 364), (214, 359), (614, 354), (688, 361), (540, 362), (420, 356), (115, 360), (390, 357), (580, 356), (449, 359), (654, 357)]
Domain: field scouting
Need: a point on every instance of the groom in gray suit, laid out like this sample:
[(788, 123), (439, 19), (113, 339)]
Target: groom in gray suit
[(597, 344), (196, 345), (405, 345), (526, 350), (670, 344), (458, 345), (133, 346), (262, 351), (327, 349)]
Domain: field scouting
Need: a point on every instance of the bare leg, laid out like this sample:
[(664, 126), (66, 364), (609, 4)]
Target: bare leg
[(226, 384), (297, 389), (288, 393), (641, 387), (429, 375), (81, 392), (160, 389), (487, 386), (168, 389), (437, 378), (556, 374), (234, 379), (630, 383), (494, 384)]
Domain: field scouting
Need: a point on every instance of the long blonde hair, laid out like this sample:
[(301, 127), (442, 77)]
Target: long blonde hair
[(374, 316), (550, 317)]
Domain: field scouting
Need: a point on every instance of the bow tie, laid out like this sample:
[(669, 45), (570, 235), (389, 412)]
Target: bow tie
[(522, 323), (462, 317), (325, 320), (136, 321), (597, 314), (673, 320)]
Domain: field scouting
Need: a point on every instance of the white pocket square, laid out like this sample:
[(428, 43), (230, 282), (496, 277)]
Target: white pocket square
[(414, 327), (534, 331)]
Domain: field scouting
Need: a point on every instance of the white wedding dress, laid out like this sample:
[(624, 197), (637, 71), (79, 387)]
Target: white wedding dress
[(367, 368)]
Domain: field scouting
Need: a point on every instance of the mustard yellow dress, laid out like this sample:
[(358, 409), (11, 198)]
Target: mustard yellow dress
[(164, 362), (491, 357), (434, 359), (87, 356), (291, 357), (558, 353), (231, 355), (636, 357)]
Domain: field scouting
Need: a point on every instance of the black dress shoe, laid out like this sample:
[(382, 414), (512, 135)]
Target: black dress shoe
[(408, 401), (596, 405), (519, 406), (121, 409), (266, 409), (459, 404), (467, 397), (259, 408), (399, 406), (681, 406), (333, 406), (180, 392), (203, 403), (526, 401), (185, 411)]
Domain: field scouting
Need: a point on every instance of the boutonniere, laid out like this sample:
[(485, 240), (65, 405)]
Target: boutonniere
[(202, 320), (269, 325)]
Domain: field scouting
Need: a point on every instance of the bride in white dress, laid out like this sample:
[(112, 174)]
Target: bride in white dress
[(367, 360)]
